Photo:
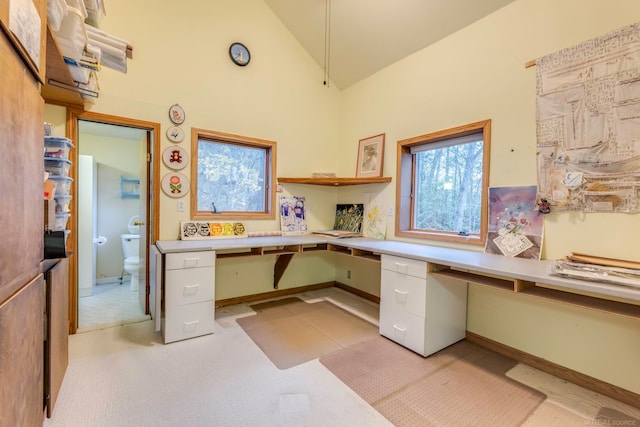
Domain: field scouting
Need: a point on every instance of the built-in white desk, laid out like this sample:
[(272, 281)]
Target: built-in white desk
[(525, 276)]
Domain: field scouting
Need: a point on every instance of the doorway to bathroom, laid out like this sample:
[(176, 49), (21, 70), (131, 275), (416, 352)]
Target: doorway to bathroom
[(114, 225)]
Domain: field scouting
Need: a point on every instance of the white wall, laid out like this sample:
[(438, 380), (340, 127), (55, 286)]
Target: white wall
[(182, 57), (476, 74)]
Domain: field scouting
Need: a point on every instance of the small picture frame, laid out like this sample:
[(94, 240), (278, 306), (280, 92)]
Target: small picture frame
[(175, 134), (370, 156), (176, 114)]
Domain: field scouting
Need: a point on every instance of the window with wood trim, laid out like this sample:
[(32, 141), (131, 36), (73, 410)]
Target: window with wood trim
[(232, 176), (442, 185)]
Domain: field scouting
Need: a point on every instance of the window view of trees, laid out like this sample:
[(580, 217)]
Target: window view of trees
[(443, 185), (231, 177), (448, 188)]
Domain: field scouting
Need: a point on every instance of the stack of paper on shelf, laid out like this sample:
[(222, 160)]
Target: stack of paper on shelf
[(113, 50), (600, 269)]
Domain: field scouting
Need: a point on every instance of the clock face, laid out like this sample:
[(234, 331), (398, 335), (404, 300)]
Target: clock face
[(239, 54)]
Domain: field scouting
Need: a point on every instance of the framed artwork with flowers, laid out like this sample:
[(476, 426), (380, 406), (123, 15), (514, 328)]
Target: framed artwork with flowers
[(175, 184)]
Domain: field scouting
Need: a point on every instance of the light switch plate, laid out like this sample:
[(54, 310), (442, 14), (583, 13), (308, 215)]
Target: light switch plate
[(180, 205)]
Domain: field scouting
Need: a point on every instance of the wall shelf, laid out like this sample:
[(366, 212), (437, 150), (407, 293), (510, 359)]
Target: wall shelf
[(57, 71), (129, 188), (336, 182), (524, 287)]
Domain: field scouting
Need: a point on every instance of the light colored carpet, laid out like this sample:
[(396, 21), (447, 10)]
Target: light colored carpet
[(464, 384), (124, 376), (290, 331), (568, 404)]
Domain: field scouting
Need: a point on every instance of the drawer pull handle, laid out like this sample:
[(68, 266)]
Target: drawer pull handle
[(191, 326), (191, 289), (398, 328), (190, 262), (398, 291), (401, 268)]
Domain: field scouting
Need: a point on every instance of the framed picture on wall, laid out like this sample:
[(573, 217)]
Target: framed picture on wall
[(370, 156)]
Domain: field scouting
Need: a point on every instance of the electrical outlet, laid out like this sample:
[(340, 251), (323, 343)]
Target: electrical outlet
[(348, 274), (390, 211), (279, 188), (180, 205)]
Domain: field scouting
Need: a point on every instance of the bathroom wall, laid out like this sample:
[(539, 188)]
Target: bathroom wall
[(115, 157)]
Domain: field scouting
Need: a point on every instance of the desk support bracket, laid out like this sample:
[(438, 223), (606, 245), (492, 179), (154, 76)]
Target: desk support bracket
[(282, 262)]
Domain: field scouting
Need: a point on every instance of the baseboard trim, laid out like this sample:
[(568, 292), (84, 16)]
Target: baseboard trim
[(575, 377), (358, 292), (273, 294)]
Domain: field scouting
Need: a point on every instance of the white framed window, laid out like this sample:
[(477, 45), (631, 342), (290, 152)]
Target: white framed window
[(442, 185), (232, 176)]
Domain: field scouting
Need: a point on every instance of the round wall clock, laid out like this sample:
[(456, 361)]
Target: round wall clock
[(239, 54), (176, 114), (175, 134), (175, 157)]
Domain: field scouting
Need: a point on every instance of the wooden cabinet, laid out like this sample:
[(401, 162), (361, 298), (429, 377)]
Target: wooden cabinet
[(21, 144), (56, 354), (189, 291), (22, 217), (420, 312), (21, 350)]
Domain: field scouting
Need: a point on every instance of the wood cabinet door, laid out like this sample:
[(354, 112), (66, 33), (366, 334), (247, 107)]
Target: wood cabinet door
[(57, 345), (21, 172), (21, 357)]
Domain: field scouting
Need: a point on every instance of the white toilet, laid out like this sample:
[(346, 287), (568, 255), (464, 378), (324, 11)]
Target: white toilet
[(130, 250)]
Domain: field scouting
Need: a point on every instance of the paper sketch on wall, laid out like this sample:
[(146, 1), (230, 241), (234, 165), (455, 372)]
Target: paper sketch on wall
[(588, 124), (349, 217), (374, 222), (292, 215), (201, 230), (515, 224)]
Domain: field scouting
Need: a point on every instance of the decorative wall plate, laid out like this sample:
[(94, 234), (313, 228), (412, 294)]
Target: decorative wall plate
[(175, 184), (176, 114), (175, 134), (175, 157)]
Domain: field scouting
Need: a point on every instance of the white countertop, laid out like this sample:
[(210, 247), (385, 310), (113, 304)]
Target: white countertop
[(517, 268)]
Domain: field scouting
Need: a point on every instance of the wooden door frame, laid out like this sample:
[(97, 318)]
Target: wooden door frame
[(153, 210)]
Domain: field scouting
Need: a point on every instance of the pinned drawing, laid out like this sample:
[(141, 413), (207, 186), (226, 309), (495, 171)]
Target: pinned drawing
[(588, 119), (292, 215), (515, 224), (374, 221)]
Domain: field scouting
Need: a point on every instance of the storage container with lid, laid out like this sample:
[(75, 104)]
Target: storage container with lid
[(62, 204), (57, 147), (72, 37), (56, 166), (61, 221), (63, 184)]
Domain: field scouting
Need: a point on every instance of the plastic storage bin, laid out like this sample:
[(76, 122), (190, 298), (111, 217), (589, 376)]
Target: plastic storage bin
[(61, 221), (72, 36), (57, 147), (62, 204), (57, 166), (63, 185), (56, 11)]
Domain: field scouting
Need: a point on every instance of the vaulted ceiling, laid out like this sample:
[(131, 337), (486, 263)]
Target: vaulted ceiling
[(368, 35)]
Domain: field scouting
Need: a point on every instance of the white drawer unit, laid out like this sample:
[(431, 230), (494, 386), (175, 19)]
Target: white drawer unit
[(189, 295), (419, 311)]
